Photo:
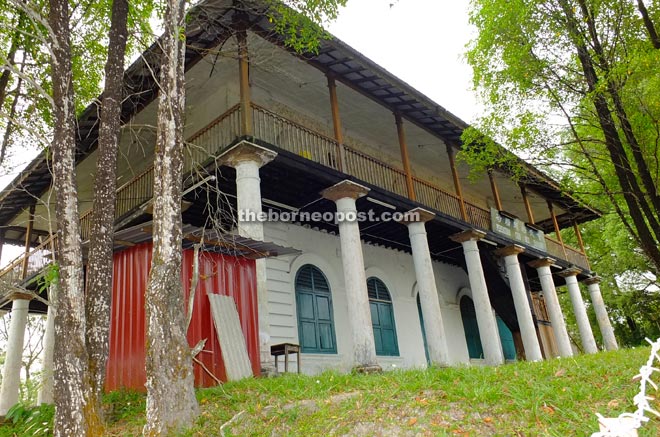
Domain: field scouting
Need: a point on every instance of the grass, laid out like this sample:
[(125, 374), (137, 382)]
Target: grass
[(553, 398)]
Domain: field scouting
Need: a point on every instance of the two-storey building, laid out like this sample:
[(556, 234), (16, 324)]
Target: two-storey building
[(441, 270)]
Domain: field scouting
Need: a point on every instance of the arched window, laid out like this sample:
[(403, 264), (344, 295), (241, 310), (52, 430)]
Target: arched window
[(382, 318), (316, 330)]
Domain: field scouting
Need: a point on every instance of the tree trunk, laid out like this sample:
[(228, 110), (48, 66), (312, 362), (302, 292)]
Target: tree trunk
[(643, 169), (171, 403), (98, 297), (70, 353), (631, 191), (648, 23)]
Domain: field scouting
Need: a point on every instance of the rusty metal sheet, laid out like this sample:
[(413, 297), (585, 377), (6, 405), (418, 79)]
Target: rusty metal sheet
[(221, 274)]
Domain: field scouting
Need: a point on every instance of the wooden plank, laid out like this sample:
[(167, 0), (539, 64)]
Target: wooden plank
[(230, 336), (405, 159)]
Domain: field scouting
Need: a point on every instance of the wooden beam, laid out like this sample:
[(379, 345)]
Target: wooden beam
[(404, 155), (451, 153), (28, 239), (528, 206), (244, 82), (556, 225), (496, 191), (578, 234), (2, 241), (336, 122)]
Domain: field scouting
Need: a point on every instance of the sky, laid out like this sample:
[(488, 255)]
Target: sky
[(420, 41)]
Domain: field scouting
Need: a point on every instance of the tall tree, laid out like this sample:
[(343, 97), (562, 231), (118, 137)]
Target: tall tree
[(171, 403), (99, 264), (572, 84), (70, 361)]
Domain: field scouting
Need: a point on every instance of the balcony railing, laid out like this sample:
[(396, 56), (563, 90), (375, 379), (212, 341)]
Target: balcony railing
[(296, 138), (203, 144), (37, 258), (293, 137), (568, 253)]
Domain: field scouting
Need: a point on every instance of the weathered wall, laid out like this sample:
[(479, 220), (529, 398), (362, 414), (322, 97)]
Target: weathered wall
[(394, 268), (218, 274)]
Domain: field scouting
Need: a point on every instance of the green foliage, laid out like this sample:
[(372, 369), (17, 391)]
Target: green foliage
[(49, 276), (123, 404), (299, 21), (29, 421), (483, 153), (541, 105)]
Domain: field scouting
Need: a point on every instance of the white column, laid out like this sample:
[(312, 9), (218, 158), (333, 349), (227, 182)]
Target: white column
[(11, 372), (521, 302), (586, 334), (247, 159), (542, 267), (609, 340), (428, 292), (45, 395), (488, 332), (344, 194)]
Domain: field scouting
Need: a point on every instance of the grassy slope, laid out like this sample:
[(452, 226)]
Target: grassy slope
[(558, 397)]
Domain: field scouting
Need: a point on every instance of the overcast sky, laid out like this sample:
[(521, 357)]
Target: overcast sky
[(420, 41)]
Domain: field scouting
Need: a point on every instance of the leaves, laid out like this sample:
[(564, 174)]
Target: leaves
[(553, 75)]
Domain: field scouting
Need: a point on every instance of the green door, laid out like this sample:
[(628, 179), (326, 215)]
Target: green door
[(506, 337), (382, 318), (421, 322), (469, 316), (316, 331), (475, 349)]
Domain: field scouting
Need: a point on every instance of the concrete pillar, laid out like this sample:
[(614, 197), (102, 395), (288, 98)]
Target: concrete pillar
[(45, 395), (542, 267), (247, 159), (428, 292), (488, 332), (521, 302), (344, 194), (609, 340), (586, 335), (11, 372)]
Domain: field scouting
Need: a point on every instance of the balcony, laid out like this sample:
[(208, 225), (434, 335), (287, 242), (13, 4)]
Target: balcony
[(295, 138)]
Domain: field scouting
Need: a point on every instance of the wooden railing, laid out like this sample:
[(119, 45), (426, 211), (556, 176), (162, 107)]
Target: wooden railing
[(203, 144), (296, 138), (293, 137), (374, 171), (37, 258), (574, 256), (301, 140)]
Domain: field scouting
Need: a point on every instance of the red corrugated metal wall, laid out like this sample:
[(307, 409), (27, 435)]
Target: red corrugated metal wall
[(217, 274)]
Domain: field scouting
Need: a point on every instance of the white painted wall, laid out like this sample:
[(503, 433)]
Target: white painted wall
[(394, 268)]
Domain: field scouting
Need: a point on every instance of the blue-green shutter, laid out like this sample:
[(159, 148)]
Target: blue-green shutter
[(469, 316), (421, 322), (316, 329), (382, 318), (475, 349), (506, 337)]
